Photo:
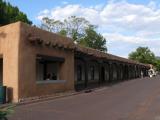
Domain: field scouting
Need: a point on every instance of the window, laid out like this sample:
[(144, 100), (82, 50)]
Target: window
[(92, 72), (79, 73), (48, 68)]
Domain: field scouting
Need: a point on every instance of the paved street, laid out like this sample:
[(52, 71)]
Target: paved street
[(137, 99)]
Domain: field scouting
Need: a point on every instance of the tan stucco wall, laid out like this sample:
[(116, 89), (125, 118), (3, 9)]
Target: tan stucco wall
[(19, 61), (27, 64), (9, 41)]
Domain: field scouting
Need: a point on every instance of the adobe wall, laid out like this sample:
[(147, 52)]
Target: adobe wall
[(27, 64), (9, 41), (19, 61)]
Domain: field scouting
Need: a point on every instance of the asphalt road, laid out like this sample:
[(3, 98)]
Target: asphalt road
[(137, 99)]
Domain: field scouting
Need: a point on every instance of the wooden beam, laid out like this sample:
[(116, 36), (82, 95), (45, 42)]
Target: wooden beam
[(39, 41), (50, 58), (48, 43)]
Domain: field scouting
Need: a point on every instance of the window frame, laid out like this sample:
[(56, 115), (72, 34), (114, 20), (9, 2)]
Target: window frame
[(45, 61)]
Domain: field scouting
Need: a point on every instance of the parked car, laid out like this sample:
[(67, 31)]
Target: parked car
[(152, 73)]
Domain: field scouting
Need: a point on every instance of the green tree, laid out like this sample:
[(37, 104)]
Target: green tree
[(77, 28), (93, 39), (52, 25), (73, 26), (157, 64), (10, 14), (143, 55)]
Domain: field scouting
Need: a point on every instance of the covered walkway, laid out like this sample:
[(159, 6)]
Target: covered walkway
[(93, 67)]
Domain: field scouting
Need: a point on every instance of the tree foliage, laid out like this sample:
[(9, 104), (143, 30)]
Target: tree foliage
[(10, 14), (77, 28), (93, 39), (73, 26), (143, 55), (157, 64)]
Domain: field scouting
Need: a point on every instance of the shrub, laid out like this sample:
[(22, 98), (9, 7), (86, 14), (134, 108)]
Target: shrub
[(5, 111)]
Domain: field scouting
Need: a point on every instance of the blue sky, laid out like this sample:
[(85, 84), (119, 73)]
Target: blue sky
[(126, 24)]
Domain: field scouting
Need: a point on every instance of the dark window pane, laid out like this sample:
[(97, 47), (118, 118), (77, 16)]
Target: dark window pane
[(79, 73)]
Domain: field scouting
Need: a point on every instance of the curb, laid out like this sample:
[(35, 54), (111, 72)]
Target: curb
[(58, 96)]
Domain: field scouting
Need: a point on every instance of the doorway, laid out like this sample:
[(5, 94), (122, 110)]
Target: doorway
[(103, 74)]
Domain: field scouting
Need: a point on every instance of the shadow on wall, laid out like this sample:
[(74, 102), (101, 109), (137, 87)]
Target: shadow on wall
[(9, 94), (2, 35)]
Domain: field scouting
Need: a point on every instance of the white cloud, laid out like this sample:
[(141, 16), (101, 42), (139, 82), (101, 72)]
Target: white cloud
[(152, 4), (64, 2), (90, 13), (124, 38), (134, 24)]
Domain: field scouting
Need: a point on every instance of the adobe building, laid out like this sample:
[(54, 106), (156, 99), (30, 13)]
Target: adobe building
[(34, 62)]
